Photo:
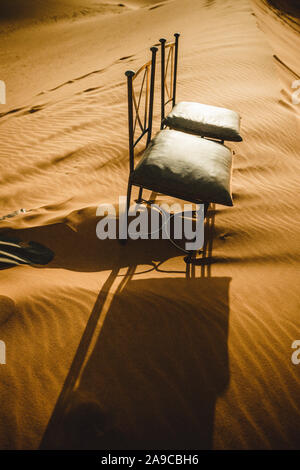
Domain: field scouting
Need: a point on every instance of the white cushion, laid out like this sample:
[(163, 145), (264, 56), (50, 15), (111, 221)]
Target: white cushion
[(205, 120), (186, 166)]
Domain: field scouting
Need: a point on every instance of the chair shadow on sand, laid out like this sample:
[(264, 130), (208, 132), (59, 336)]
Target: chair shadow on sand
[(157, 367)]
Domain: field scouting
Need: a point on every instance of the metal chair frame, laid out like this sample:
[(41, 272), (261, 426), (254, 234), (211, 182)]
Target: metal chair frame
[(172, 61), (145, 123)]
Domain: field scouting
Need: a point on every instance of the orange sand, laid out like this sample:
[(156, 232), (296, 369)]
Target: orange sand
[(102, 350)]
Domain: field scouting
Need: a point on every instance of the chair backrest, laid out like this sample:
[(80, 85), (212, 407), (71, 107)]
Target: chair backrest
[(135, 119), (169, 63)]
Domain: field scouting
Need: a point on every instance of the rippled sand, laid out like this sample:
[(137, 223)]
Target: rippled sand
[(107, 348)]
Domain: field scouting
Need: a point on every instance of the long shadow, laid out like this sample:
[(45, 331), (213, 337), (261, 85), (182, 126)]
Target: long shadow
[(155, 372), (157, 366), (81, 250), (160, 361)]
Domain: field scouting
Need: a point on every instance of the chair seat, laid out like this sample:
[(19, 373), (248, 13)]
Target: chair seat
[(186, 166), (205, 120)]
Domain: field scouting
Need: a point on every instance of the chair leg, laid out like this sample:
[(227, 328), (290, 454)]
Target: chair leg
[(191, 257), (128, 197), (124, 240), (139, 199), (128, 205), (206, 206)]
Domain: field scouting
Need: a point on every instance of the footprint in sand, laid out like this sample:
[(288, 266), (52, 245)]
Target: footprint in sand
[(126, 57)]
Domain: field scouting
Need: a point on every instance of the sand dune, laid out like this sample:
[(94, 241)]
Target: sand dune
[(40, 11), (110, 345)]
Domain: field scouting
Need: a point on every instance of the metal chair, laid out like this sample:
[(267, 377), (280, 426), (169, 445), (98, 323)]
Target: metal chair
[(174, 163), (205, 120)]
